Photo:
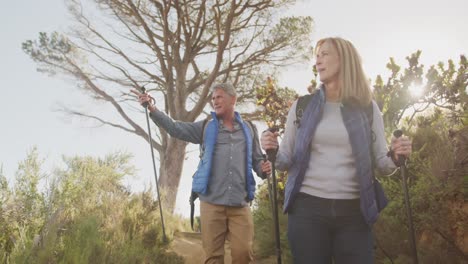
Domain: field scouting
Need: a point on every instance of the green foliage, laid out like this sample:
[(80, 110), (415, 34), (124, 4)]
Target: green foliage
[(276, 103), (264, 244), (83, 242), (436, 181), (28, 199), (437, 201), (53, 48), (88, 216), (291, 30), (3, 183), (442, 88)]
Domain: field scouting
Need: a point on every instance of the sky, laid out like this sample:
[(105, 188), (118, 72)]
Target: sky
[(29, 99)]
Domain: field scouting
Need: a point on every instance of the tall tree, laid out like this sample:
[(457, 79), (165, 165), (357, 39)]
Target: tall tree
[(177, 49)]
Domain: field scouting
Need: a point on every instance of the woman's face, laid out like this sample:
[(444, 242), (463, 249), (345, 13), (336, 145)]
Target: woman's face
[(328, 63)]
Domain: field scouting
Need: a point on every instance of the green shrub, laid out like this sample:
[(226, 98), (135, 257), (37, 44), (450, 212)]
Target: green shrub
[(265, 243), (87, 216)]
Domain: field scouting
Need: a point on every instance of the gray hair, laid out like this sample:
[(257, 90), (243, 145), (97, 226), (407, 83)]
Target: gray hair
[(227, 87)]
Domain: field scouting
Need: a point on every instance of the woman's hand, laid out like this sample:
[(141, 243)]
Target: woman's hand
[(401, 146), (269, 140)]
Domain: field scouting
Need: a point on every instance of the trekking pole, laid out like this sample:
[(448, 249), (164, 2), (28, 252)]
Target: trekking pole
[(270, 194), (145, 105), (271, 153), (401, 162)]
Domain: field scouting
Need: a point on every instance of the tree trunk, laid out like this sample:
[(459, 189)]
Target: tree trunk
[(172, 161)]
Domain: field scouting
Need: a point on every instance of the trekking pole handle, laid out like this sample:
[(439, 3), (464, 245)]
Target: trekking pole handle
[(398, 133), (271, 153), (143, 90), (273, 129)]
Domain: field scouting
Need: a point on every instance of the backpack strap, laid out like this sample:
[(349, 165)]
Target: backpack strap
[(380, 197), (370, 117), (194, 195), (202, 144), (369, 110), (253, 129), (301, 105)]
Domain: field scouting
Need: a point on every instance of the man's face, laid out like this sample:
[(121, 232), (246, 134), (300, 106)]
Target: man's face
[(223, 103)]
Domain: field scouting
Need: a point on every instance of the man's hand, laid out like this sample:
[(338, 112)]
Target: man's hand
[(266, 167), (269, 140), (145, 99)]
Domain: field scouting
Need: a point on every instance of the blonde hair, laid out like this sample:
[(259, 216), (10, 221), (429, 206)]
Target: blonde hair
[(354, 84)]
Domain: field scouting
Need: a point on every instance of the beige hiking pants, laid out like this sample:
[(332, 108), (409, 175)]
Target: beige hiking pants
[(218, 223)]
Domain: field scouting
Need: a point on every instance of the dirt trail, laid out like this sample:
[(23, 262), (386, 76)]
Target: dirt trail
[(189, 246)]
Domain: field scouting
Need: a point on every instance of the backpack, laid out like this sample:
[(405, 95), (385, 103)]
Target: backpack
[(194, 195)]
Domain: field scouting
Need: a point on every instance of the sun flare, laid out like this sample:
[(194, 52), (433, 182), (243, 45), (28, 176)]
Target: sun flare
[(416, 90)]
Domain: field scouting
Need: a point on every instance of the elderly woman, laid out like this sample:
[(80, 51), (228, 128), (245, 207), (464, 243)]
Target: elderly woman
[(331, 196)]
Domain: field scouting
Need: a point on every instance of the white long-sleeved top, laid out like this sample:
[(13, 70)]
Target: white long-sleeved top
[(331, 172)]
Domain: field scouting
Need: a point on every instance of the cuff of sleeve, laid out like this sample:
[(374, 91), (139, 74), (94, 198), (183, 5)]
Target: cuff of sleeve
[(156, 113)]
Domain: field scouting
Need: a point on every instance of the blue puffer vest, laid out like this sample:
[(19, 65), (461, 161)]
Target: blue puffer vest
[(358, 127), (202, 175)]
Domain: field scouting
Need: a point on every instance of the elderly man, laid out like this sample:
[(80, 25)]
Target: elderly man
[(224, 180)]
